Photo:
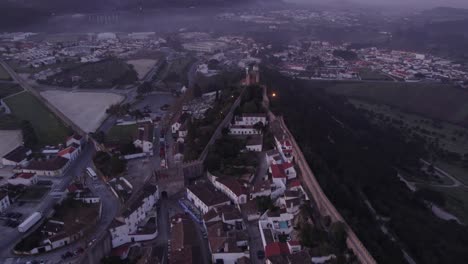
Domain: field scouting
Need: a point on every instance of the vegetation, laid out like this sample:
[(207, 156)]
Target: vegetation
[(225, 157), (7, 89), (4, 76), (109, 165), (264, 203), (345, 54), (123, 134), (354, 160), (441, 101), (103, 74), (48, 128), (200, 131), (29, 135)]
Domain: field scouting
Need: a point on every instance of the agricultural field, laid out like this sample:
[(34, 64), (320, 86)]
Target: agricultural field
[(456, 170), (451, 137), (431, 100), (4, 76), (7, 89), (49, 129), (142, 66), (121, 133), (456, 201), (9, 140), (85, 109), (371, 75), (103, 74)]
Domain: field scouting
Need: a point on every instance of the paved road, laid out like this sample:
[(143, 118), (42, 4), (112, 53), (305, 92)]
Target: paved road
[(110, 205)]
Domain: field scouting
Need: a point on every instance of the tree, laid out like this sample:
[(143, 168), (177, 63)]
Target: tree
[(259, 126), (117, 166), (144, 88), (338, 235), (197, 92), (29, 134), (264, 203)]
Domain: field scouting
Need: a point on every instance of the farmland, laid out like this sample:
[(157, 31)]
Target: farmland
[(431, 100), (49, 129), (4, 76), (86, 109), (7, 89), (103, 74)]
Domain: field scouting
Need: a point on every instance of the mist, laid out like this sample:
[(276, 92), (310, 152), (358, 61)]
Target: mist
[(419, 4)]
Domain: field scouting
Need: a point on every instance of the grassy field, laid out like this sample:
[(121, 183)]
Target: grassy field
[(121, 133), (103, 74), (432, 100), (7, 89), (456, 201), (451, 137), (4, 76), (455, 170), (34, 193), (49, 129), (368, 74)]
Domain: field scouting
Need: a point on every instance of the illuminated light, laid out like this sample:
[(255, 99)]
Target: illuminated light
[(274, 94)]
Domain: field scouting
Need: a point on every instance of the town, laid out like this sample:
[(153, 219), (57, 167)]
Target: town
[(174, 168), (140, 147)]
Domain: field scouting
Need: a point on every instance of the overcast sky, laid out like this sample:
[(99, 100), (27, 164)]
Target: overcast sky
[(413, 3)]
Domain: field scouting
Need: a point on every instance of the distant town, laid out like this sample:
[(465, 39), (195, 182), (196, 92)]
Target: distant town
[(140, 147)]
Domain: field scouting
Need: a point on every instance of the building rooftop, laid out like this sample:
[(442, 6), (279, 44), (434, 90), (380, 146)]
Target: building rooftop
[(18, 154), (48, 165), (234, 185), (208, 194)]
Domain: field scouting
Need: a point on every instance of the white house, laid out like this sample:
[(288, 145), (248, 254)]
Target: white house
[(178, 152), (70, 153), (227, 246), (4, 201), (236, 191), (282, 172), (126, 228), (279, 221), (75, 139), (250, 119), (145, 137), (254, 143), (177, 124), (243, 130), (18, 156), (51, 167), (205, 197), (27, 179), (261, 188)]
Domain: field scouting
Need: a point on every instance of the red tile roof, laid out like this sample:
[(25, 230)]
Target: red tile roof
[(25, 175), (278, 170), (66, 151), (276, 248)]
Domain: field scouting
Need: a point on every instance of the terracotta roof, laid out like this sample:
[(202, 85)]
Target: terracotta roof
[(278, 170), (66, 151), (234, 185), (208, 194), (294, 183), (276, 248), (24, 175), (48, 165)]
